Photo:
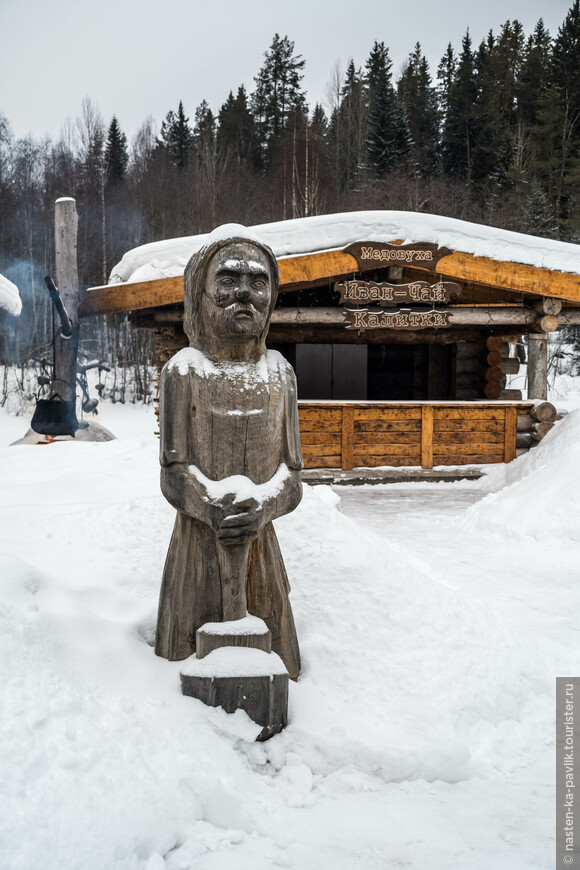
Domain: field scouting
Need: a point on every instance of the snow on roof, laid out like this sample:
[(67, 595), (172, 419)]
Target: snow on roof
[(9, 297), (325, 232)]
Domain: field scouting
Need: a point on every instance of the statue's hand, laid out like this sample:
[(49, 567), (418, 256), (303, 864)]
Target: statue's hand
[(243, 522)]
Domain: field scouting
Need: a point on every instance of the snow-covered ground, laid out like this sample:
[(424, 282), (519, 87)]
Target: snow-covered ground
[(432, 620)]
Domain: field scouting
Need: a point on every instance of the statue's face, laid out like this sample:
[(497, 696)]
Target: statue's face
[(238, 291)]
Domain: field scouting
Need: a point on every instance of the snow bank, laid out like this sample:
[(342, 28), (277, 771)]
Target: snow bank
[(537, 495), (564, 393), (9, 297), (305, 235)]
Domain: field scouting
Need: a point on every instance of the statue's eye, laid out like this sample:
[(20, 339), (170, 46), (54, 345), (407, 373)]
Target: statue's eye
[(226, 281), (259, 283)]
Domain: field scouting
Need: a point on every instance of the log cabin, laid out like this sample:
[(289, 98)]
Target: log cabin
[(402, 328)]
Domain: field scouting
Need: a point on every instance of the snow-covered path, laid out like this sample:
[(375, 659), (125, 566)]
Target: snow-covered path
[(535, 583), (421, 732)]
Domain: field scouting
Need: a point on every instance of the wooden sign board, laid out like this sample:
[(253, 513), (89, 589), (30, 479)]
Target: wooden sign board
[(374, 255), (365, 292), (402, 319)]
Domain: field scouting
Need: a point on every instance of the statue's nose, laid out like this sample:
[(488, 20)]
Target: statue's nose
[(242, 294)]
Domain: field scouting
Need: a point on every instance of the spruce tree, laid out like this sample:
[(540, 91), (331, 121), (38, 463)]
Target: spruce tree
[(203, 127), (534, 74), (497, 72), (278, 93), (177, 137), (236, 134), (445, 79), (458, 133), (116, 153), (419, 100), (349, 127), (565, 79), (388, 137), (531, 91), (319, 122)]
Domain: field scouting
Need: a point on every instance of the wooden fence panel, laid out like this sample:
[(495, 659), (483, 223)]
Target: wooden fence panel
[(352, 434)]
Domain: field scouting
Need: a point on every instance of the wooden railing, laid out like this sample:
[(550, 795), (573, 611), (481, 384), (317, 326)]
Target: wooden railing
[(354, 434)]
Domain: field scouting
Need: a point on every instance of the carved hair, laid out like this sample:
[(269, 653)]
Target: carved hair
[(196, 271)]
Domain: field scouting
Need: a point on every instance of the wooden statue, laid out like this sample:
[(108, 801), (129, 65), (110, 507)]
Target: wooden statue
[(230, 452)]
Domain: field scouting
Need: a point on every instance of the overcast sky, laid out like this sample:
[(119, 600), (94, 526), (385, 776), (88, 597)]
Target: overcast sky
[(135, 58)]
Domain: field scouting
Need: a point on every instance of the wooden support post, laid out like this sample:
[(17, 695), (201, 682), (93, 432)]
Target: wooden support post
[(347, 460), (67, 281), (537, 365), (427, 436), (510, 433)]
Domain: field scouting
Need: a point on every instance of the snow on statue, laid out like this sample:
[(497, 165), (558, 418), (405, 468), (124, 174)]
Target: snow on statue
[(230, 451)]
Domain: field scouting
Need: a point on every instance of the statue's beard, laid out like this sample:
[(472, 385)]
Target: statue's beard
[(241, 318), (238, 320)]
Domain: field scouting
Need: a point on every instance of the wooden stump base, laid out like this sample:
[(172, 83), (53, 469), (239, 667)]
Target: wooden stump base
[(248, 632), (238, 678)]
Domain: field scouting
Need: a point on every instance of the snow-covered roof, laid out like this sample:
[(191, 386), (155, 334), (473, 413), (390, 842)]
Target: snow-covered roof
[(9, 297), (326, 232)]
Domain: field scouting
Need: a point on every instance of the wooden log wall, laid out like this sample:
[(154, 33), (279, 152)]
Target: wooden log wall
[(500, 363), (481, 368), (369, 434), (534, 425)]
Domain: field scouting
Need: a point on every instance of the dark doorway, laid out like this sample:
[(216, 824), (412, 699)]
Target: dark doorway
[(403, 372), (331, 371)]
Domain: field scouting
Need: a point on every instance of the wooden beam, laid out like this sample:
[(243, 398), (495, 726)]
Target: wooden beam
[(347, 436), (288, 334), (307, 269), (464, 316), (114, 298), (537, 366), (510, 433), (427, 436), (511, 276)]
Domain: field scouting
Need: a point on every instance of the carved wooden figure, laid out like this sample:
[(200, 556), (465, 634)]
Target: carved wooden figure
[(230, 452)]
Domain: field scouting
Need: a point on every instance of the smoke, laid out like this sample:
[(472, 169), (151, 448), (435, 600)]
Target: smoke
[(30, 333)]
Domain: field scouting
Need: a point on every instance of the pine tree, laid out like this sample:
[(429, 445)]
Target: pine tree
[(278, 93), (177, 137), (116, 153)]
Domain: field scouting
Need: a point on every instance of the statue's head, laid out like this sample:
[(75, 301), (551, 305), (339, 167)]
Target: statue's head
[(230, 287)]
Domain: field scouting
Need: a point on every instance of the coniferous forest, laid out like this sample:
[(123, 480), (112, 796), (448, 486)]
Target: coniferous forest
[(492, 135)]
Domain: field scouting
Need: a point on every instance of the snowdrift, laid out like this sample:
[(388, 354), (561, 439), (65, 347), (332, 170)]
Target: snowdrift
[(537, 495)]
